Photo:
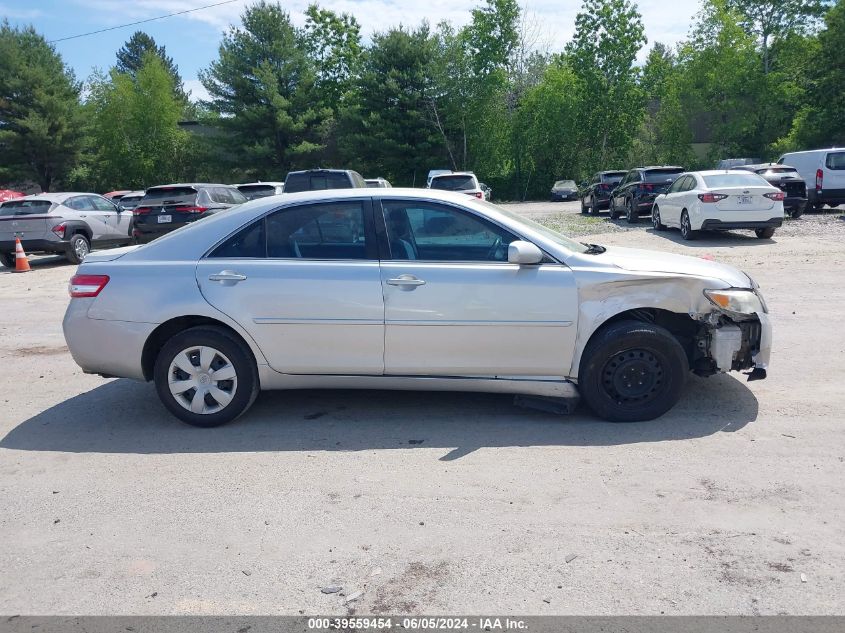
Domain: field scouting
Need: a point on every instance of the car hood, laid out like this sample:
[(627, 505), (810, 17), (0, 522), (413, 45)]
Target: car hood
[(639, 260)]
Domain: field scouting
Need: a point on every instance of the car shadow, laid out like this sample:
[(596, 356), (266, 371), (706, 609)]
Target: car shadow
[(710, 239), (123, 416)]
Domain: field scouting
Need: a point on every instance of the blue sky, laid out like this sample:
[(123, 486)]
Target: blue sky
[(192, 39)]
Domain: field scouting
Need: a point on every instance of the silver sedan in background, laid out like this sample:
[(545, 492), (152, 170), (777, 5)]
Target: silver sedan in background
[(406, 289)]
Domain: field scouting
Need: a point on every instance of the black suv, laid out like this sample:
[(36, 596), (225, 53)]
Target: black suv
[(788, 180), (167, 207), (636, 193), (595, 196), (318, 179)]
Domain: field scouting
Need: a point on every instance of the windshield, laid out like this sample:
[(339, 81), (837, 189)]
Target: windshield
[(25, 207), (734, 180), (662, 175), (458, 182), (251, 192), (560, 184), (554, 236)]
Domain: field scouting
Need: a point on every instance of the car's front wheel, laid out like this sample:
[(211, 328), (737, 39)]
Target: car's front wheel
[(206, 376), (612, 208), (632, 371)]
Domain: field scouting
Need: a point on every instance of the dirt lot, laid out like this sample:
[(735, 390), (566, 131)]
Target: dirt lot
[(435, 503)]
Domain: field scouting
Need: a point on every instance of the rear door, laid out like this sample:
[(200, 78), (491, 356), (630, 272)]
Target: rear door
[(116, 223), (26, 219), (833, 182), (304, 282)]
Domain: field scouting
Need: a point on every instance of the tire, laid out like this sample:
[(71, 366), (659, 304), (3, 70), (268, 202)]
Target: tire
[(612, 208), (583, 207), (594, 206), (655, 219), (686, 227), (632, 371), (798, 211), (765, 234), (224, 351), (78, 248), (630, 216), (8, 260)]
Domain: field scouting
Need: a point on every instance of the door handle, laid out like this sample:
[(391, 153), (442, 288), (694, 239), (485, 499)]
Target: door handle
[(406, 282), (227, 275)]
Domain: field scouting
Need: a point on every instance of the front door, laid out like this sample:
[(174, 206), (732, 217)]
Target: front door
[(454, 306), (304, 282)]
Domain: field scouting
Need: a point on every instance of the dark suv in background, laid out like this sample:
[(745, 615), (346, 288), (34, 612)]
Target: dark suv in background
[(317, 179), (636, 193), (788, 180), (596, 195), (168, 207)]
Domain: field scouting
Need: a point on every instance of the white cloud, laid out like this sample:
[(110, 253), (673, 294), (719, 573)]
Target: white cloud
[(20, 14), (197, 90)]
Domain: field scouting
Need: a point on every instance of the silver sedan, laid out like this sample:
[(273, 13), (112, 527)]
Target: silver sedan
[(406, 289)]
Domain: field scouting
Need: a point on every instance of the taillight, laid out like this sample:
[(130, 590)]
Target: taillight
[(141, 210), (59, 230), (819, 178), (775, 195), (87, 285), (187, 208), (712, 197)]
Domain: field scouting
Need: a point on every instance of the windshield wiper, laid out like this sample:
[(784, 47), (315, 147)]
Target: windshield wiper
[(594, 249)]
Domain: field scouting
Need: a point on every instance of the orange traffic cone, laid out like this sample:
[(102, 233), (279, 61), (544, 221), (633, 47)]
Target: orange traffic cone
[(21, 262)]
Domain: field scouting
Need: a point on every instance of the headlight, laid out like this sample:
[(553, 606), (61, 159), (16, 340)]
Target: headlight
[(737, 301)]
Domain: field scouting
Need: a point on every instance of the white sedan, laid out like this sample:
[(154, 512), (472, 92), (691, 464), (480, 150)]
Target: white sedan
[(719, 201)]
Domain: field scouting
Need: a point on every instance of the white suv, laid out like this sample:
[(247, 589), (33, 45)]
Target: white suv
[(459, 181)]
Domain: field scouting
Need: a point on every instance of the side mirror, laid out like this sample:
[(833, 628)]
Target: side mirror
[(524, 253)]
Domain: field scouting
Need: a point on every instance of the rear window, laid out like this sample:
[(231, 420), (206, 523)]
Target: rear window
[(835, 161), (734, 180), (613, 178), (251, 192), (25, 207), (454, 183), (789, 171), (661, 175), (170, 195), (316, 181)]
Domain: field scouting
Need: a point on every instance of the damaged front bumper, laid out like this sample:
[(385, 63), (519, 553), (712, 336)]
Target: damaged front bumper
[(734, 343)]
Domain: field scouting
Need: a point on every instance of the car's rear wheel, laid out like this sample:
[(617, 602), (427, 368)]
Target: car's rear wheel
[(206, 376), (632, 371), (78, 247), (766, 233), (655, 219), (630, 214), (612, 208), (686, 227), (7, 259)]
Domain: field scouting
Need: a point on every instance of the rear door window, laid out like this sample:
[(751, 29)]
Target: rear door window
[(101, 204), (252, 192), (835, 161), (80, 203), (333, 230)]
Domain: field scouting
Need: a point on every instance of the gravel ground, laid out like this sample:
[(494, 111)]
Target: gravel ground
[(435, 503)]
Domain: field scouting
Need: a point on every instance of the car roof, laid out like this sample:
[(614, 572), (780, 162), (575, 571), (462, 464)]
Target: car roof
[(140, 192), (271, 183), (319, 170), (767, 166), (658, 167), (190, 184), (58, 196), (454, 173)]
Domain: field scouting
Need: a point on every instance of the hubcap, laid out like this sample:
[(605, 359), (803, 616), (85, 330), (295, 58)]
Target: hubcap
[(655, 217), (685, 226), (633, 377), (81, 248), (202, 379)]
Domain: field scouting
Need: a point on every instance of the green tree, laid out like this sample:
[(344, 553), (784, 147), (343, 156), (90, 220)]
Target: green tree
[(388, 131), (821, 122), (334, 43), (130, 58), (40, 124), (134, 126), (264, 97), (771, 19), (608, 36)]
